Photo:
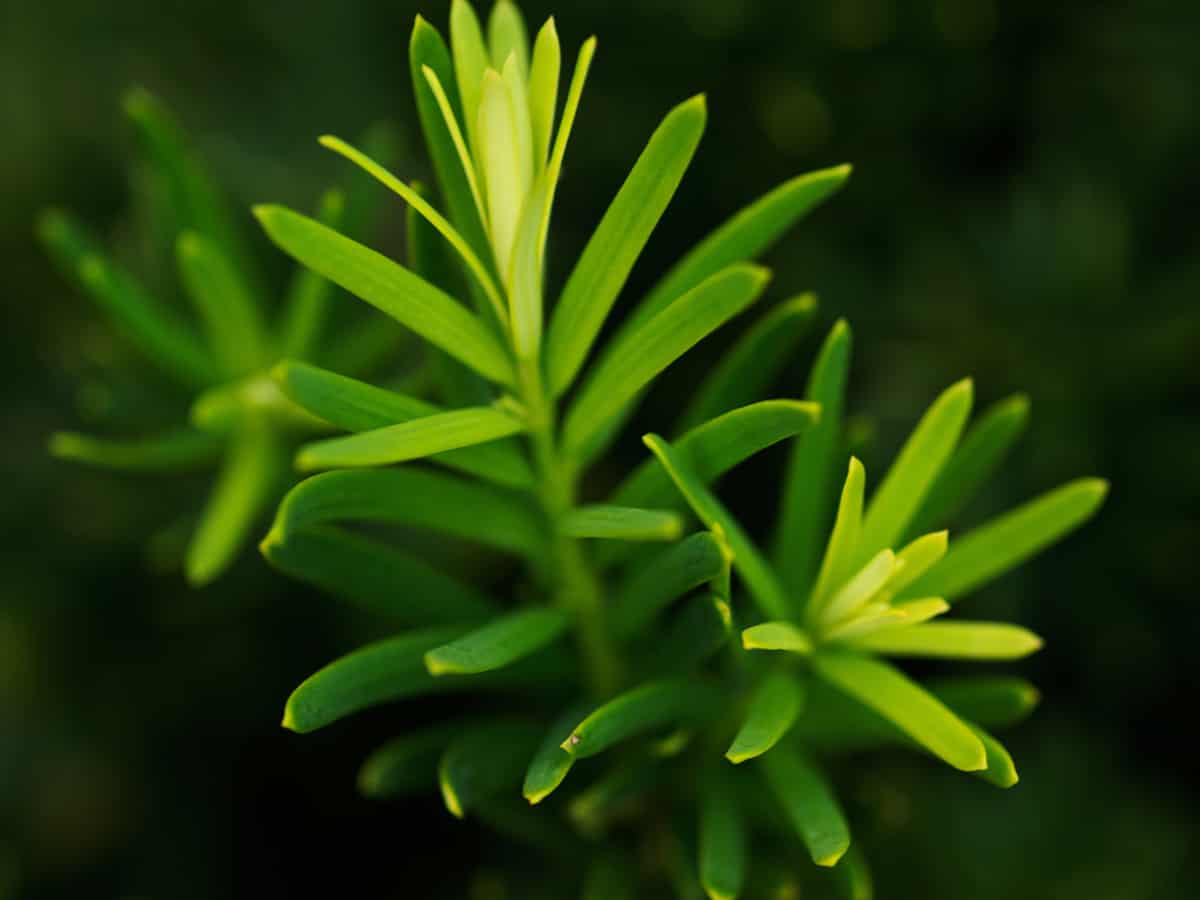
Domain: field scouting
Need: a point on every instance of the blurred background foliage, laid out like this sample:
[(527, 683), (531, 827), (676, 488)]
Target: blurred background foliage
[(1021, 211)]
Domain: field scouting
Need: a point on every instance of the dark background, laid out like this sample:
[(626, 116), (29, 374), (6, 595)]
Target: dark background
[(1022, 210)]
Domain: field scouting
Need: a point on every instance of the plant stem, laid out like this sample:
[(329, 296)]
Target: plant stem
[(577, 588)]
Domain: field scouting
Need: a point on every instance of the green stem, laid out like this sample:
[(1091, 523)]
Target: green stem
[(577, 588)]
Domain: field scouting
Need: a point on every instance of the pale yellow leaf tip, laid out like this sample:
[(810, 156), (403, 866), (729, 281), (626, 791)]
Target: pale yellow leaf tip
[(831, 859)]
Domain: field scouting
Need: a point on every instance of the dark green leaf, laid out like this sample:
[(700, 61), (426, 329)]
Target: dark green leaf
[(991, 701), (677, 570), (648, 707), (551, 762), (500, 643), (306, 307), (483, 761), (181, 449), (776, 703), (722, 841), (809, 803), (621, 523), (407, 764)]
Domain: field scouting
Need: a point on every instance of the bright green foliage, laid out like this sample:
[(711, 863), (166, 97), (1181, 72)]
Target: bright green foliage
[(598, 652)]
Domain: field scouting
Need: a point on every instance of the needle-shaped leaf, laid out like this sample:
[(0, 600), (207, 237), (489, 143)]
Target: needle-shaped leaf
[(483, 761), (1001, 770), (993, 701), (752, 364), (441, 503), (649, 589), (875, 616), (1008, 540), (983, 447), (498, 644), (181, 449), (551, 763), (744, 236), (843, 540), (570, 109), (608, 258), (906, 705), (427, 51), (648, 707), (224, 304), (773, 709), (457, 140), (777, 636), (415, 439), (922, 457), (306, 306), (152, 327), (504, 175), (917, 558), (631, 364), (722, 841), (954, 640), (692, 636), (378, 577), (856, 593), (808, 801), (515, 77), (815, 460), (198, 203), (525, 295), (407, 764), (761, 581), (507, 36), (853, 878), (358, 406), (470, 259), (391, 288), (252, 472), (471, 60), (622, 523), (544, 75)]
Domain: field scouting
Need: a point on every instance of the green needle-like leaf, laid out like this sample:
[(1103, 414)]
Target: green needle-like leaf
[(252, 472), (306, 307), (722, 841), (358, 406), (459, 142), (983, 447), (905, 704), (1001, 770), (922, 457), (543, 90), (777, 636), (1008, 540), (416, 439), (752, 364), (606, 262), (744, 236), (631, 364), (181, 449), (483, 761), (621, 523), (507, 36), (954, 640), (407, 764), (649, 589), (499, 643), (648, 707), (857, 593), (763, 585), (504, 174), (551, 763), (917, 558), (853, 878), (525, 295), (773, 710), (391, 288), (378, 577), (841, 550), (441, 503), (152, 327), (570, 109), (387, 670), (224, 303), (427, 50), (805, 512), (809, 803), (693, 636), (471, 60), (993, 701)]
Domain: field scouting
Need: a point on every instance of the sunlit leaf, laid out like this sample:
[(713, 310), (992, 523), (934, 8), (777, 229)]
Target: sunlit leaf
[(483, 761), (809, 803), (648, 707), (815, 460), (390, 288), (915, 559), (500, 643), (649, 589), (752, 364), (471, 60), (621, 523), (631, 364), (1001, 770), (905, 704), (570, 109), (954, 640), (380, 578), (551, 763), (525, 295), (181, 449), (749, 563), (411, 440), (1008, 540), (858, 590), (777, 636), (922, 457), (722, 841), (543, 90), (617, 242), (507, 36), (841, 550), (441, 503), (504, 173), (983, 447), (776, 703)]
